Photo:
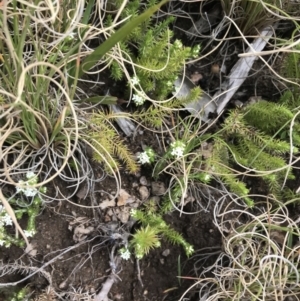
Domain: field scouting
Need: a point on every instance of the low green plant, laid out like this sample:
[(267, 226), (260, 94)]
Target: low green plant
[(153, 228), (44, 119), (29, 203), (106, 140), (16, 294)]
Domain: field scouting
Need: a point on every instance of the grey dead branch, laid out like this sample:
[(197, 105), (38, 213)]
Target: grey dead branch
[(103, 294), (125, 124), (216, 104), (201, 108), (240, 70)]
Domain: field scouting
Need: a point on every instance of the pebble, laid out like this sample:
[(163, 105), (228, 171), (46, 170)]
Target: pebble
[(166, 252), (158, 188), (143, 181), (144, 193)]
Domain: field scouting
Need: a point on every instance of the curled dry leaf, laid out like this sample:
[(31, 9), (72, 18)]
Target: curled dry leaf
[(81, 232), (123, 197), (107, 203)]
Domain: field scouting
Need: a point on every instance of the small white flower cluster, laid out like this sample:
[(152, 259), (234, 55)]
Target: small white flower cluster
[(143, 158), (147, 156), (138, 100), (5, 219), (2, 242), (26, 186), (177, 149), (133, 212), (138, 252), (125, 253), (135, 81), (177, 44), (29, 233), (189, 250)]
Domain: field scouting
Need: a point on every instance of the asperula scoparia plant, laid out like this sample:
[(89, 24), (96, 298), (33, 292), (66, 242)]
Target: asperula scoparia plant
[(29, 203), (149, 236), (157, 58)]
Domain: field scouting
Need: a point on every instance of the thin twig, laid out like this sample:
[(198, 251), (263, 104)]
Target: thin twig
[(139, 272)]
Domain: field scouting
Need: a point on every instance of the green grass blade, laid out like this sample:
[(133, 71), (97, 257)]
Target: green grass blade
[(118, 36)]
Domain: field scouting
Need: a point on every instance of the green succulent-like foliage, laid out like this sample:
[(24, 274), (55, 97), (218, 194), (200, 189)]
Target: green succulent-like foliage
[(260, 137), (252, 138), (153, 225), (291, 71), (158, 58), (155, 116), (145, 239), (110, 147)]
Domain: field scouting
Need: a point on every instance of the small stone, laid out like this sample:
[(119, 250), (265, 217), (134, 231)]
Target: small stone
[(107, 218), (123, 197), (158, 188), (143, 181), (166, 252), (110, 212), (124, 216), (195, 77), (144, 193), (135, 184), (82, 192), (215, 69)]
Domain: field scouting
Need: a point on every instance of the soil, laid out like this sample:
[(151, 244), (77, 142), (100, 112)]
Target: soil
[(85, 264)]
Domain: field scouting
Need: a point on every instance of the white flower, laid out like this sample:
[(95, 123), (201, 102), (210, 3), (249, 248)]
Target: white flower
[(6, 219), (178, 44), (177, 149), (125, 253), (20, 189), (169, 83), (135, 81), (30, 192), (189, 250), (138, 100), (30, 174), (133, 212), (1, 242), (29, 233), (143, 158), (206, 177)]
